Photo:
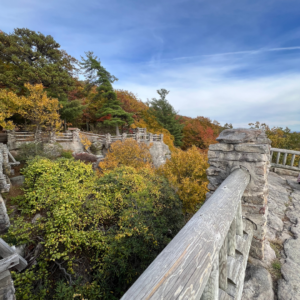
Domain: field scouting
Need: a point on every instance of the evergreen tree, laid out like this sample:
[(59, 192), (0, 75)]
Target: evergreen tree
[(30, 57), (166, 115), (70, 110), (111, 112)]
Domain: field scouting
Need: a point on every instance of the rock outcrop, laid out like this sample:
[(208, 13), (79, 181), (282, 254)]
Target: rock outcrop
[(283, 228)]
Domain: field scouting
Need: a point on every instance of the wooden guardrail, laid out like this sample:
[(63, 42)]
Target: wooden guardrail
[(140, 135), (207, 259), (10, 258), (285, 159)]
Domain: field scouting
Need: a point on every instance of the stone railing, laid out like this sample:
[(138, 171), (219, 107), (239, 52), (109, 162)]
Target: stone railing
[(207, 259), (285, 159)]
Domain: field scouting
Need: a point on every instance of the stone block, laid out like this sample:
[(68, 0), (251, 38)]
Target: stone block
[(211, 171), (221, 147), (241, 135), (252, 148), (215, 180), (237, 156), (256, 199), (17, 180)]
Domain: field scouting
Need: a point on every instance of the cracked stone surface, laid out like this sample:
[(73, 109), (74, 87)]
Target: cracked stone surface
[(283, 225)]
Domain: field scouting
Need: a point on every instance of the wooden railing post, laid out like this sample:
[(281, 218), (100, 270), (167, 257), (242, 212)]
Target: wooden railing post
[(284, 165), (223, 265), (211, 291), (232, 239)]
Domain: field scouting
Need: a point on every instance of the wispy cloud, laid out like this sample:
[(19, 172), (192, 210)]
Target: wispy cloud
[(240, 52)]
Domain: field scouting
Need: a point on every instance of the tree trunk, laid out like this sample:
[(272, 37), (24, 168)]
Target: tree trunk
[(117, 130), (65, 123), (87, 126)]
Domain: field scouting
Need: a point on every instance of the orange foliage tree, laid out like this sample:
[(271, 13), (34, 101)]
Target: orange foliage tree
[(127, 153), (186, 171), (200, 132), (142, 118)]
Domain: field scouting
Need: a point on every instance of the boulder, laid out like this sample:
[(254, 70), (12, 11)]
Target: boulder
[(96, 148), (257, 284)]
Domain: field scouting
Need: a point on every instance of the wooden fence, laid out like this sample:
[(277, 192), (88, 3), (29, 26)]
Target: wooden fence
[(10, 258), (140, 135), (207, 259), (286, 159)]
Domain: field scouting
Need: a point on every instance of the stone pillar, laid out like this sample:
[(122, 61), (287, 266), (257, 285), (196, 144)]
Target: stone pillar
[(4, 170), (11, 139), (151, 137), (124, 137), (138, 137), (4, 219), (7, 290), (161, 137), (52, 137), (75, 135), (249, 149), (38, 136), (107, 140)]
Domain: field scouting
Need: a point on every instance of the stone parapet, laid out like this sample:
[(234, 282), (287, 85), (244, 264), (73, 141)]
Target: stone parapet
[(248, 149)]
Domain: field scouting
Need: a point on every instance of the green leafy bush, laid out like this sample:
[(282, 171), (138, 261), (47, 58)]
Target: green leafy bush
[(67, 154), (94, 236)]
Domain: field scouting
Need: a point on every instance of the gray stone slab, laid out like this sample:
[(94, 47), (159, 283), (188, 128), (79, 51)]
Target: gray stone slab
[(18, 180)]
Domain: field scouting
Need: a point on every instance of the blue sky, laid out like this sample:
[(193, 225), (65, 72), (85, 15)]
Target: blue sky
[(232, 61)]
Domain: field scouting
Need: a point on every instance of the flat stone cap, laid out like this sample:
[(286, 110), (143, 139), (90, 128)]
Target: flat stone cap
[(242, 135)]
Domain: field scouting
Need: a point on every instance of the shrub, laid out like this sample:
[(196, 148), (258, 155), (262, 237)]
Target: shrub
[(85, 157), (95, 235), (126, 153), (67, 154), (186, 171)]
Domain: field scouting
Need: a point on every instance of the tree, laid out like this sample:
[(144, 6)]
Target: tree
[(166, 115), (70, 110), (127, 153), (92, 232), (200, 132), (8, 102), (37, 107), (111, 113), (31, 57), (186, 170)]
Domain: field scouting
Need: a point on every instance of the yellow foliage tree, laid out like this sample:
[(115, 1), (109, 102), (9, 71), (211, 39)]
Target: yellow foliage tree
[(36, 107), (8, 101), (150, 123), (128, 153), (40, 109), (186, 171), (85, 141)]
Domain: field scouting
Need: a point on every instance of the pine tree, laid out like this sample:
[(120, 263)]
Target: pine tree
[(30, 57), (70, 110), (111, 112), (166, 115)]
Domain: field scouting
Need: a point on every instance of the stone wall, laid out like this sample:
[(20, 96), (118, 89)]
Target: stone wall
[(7, 290), (5, 169), (249, 149)]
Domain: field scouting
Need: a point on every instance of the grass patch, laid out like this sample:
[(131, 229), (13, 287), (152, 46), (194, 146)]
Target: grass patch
[(275, 269)]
